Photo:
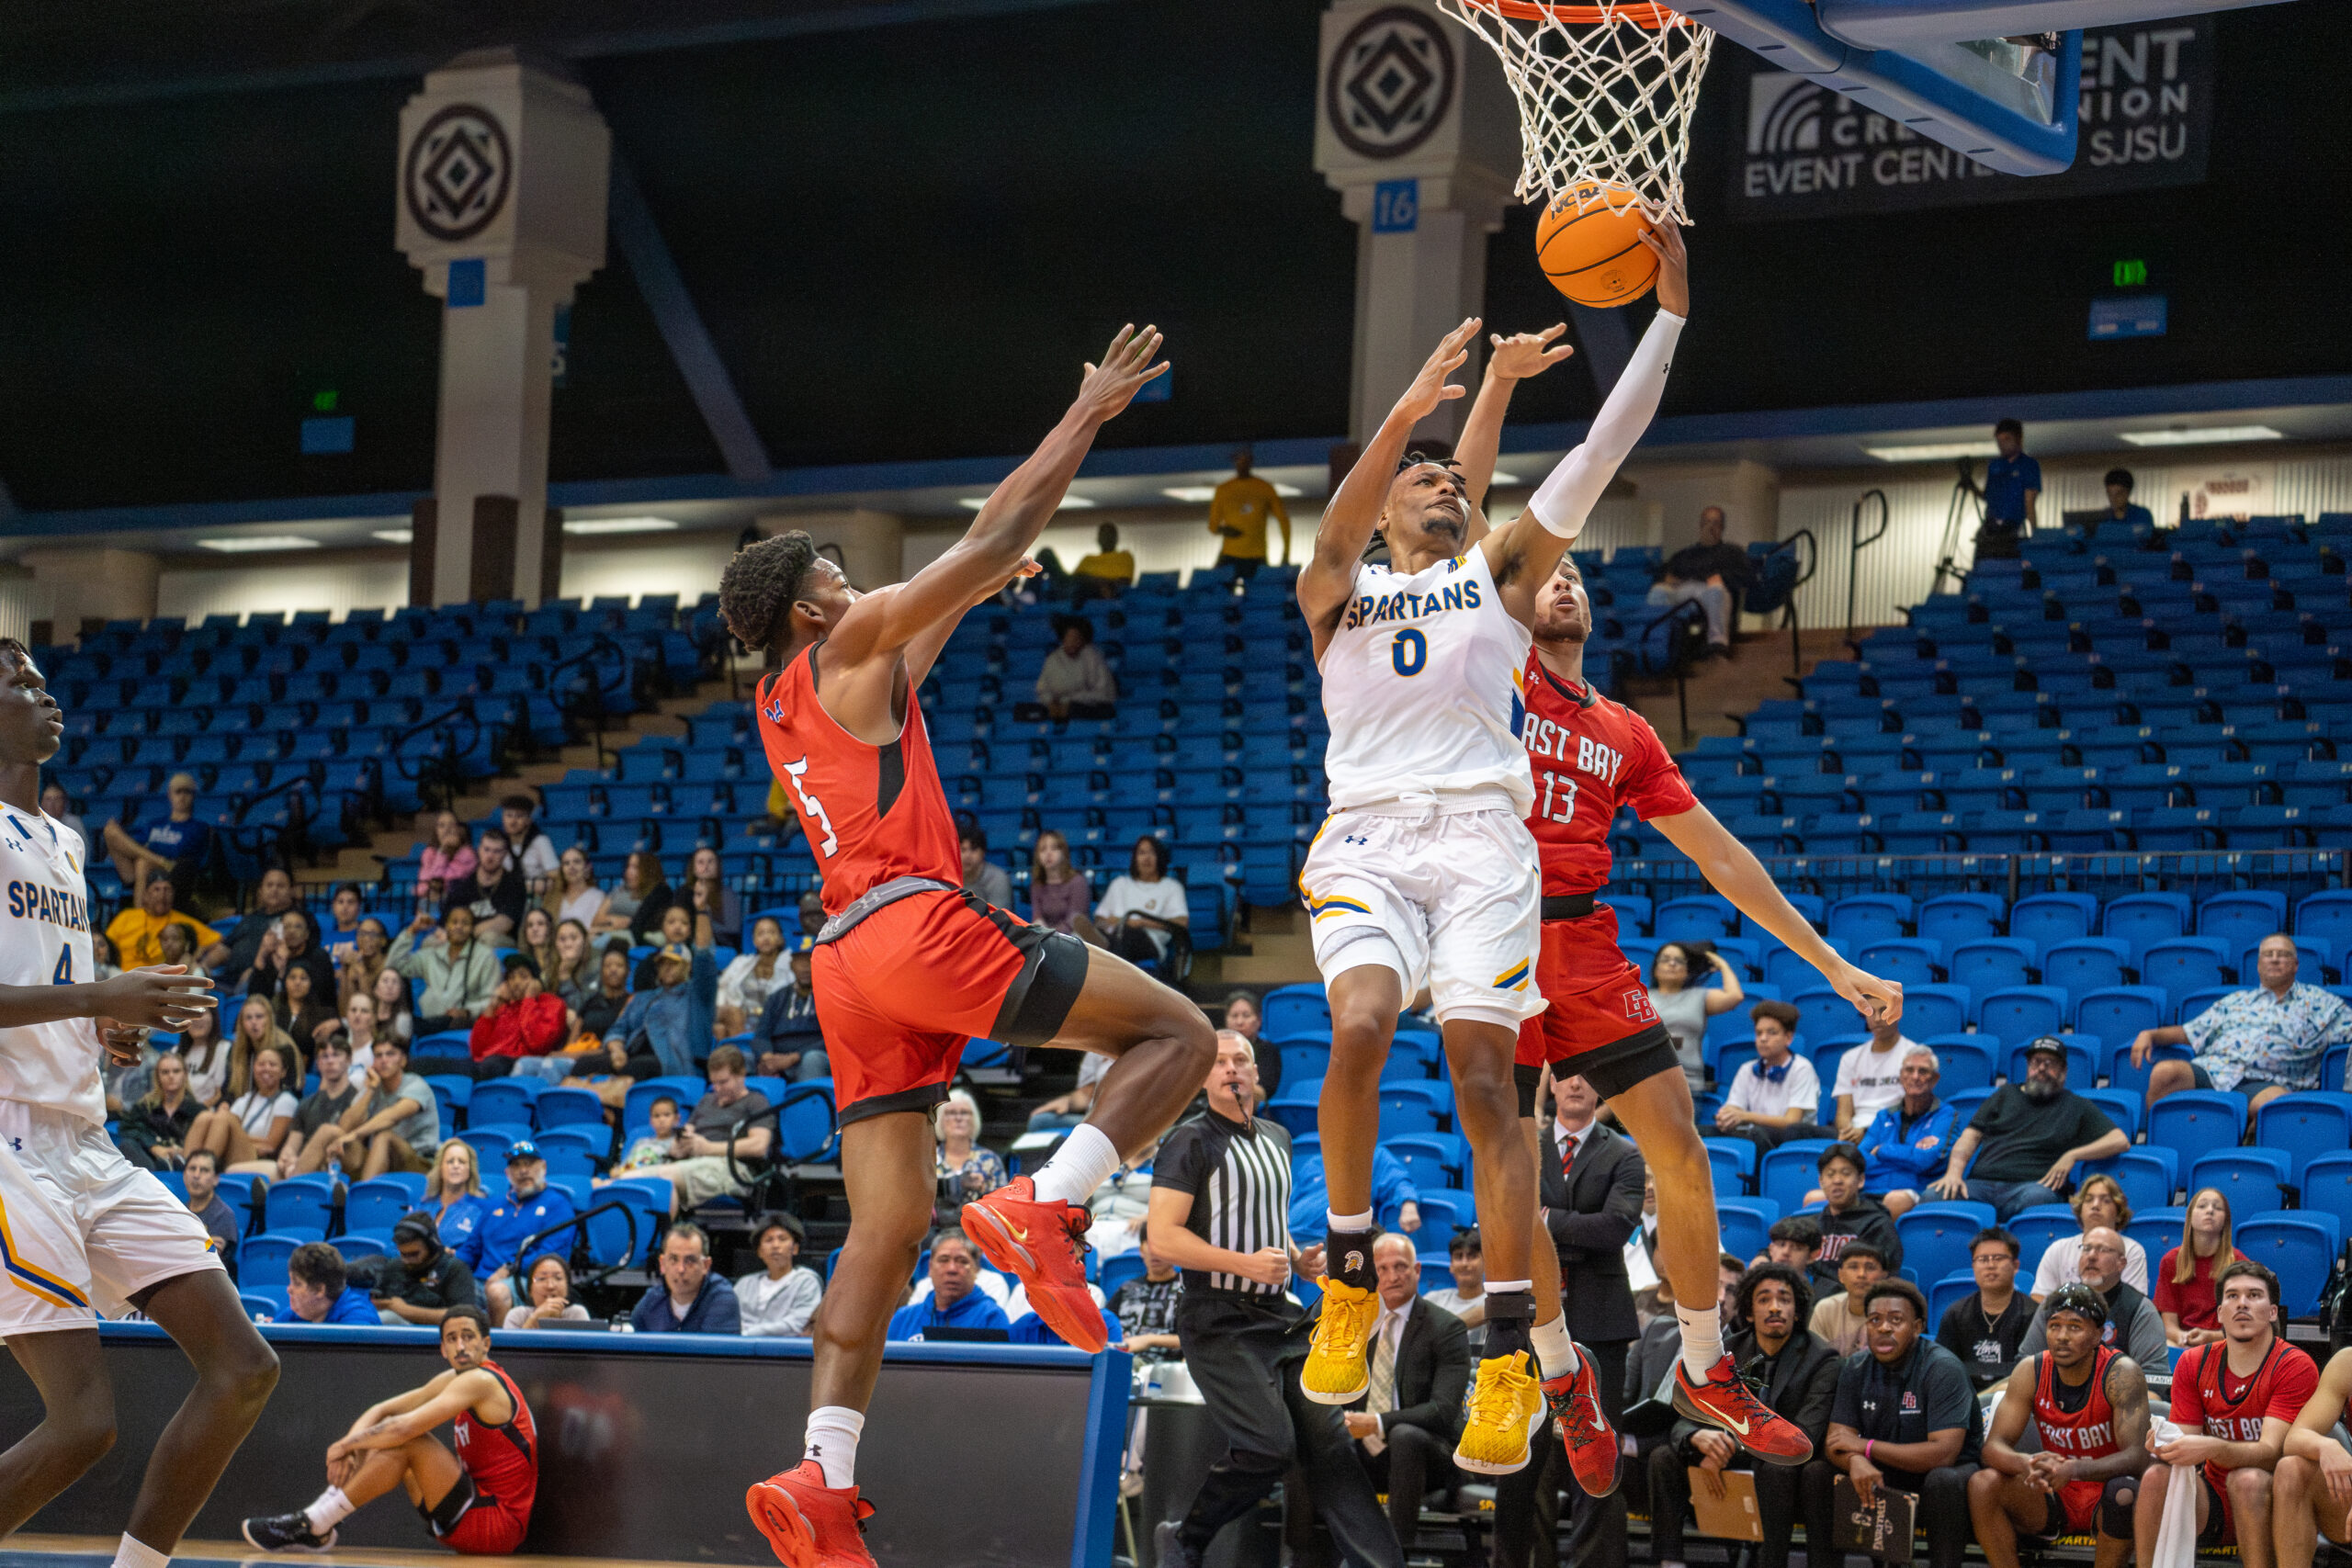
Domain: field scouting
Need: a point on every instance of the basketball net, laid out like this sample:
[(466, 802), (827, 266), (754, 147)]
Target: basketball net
[(1605, 94)]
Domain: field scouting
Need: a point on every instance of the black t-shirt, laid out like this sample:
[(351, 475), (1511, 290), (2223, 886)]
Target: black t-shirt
[(1148, 1306), (1926, 1393), (319, 1107), (1987, 1351), (599, 1012), (506, 897), (1696, 563), (2023, 1140), (1238, 1177), (445, 1282), (1867, 1221)]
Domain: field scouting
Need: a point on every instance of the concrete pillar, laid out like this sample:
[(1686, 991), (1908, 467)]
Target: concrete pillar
[(871, 543), (1418, 133), (93, 585), (502, 177)]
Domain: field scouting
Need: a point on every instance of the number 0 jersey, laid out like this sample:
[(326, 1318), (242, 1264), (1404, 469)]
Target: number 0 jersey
[(47, 907), (1589, 756), (871, 813)]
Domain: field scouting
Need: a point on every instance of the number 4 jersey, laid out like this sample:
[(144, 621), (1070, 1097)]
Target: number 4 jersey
[(47, 910), (1589, 756)]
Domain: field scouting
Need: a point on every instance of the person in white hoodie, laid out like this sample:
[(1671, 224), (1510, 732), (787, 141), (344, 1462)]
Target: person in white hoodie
[(779, 1300)]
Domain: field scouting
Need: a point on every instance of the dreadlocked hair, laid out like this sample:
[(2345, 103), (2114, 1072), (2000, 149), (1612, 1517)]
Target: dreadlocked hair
[(756, 592)]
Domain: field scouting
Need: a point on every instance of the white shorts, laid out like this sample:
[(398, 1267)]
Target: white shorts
[(82, 1229), (1457, 898)]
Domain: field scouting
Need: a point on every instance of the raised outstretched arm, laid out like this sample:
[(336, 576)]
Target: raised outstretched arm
[(1515, 359)]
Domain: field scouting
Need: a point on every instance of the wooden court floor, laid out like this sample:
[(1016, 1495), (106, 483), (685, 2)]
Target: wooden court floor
[(27, 1550)]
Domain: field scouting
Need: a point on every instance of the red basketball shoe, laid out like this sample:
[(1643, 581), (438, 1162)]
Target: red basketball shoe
[(1584, 1427), (1728, 1402), (1043, 1246), (809, 1524)]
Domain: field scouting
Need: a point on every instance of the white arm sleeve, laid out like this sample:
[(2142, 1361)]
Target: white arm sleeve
[(1566, 498)]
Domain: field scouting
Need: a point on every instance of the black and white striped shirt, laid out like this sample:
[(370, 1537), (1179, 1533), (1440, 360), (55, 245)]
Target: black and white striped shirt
[(1240, 1180)]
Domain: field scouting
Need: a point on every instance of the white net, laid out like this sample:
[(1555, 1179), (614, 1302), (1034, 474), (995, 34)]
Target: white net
[(1605, 93)]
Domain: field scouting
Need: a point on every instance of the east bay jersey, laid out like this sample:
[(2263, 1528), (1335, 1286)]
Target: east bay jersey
[(1422, 687), (45, 906), (1589, 756)]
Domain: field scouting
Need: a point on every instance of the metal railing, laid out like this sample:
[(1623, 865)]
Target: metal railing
[(2106, 873), (1855, 544)]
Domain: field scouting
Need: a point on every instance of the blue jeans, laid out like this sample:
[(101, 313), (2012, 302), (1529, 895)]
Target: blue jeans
[(2010, 1199)]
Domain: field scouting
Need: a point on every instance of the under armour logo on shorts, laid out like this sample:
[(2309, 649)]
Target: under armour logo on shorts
[(1354, 839)]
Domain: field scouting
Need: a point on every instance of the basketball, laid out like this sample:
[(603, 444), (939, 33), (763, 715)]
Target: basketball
[(1588, 244)]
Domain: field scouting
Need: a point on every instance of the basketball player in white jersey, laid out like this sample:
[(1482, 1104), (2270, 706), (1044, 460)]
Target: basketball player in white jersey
[(80, 1229), (1425, 873)]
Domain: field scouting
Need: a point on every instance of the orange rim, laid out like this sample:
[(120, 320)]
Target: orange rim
[(1640, 15)]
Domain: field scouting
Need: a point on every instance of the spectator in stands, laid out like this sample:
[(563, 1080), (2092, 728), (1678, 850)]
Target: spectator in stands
[(660, 1144), (1146, 1305), (1122, 1203), (2184, 1292), (494, 892), (788, 1039), (201, 1176), (460, 972), (983, 878), (1912, 1394), (246, 1133), (1795, 1241), (102, 963), (530, 1208), (2120, 507), (2099, 1204), (293, 945), (304, 1011), (446, 862), (176, 944), (522, 1026), (1138, 913), (2012, 494), (538, 940), (960, 1158), (1243, 1017), (572, 976), (1869, 1079), (396, 1126), (135, 929), (1103, 573), (2133, 1324), (1405, 1424), (1838, 1317), (955, 1301), (690, 1299), (58, 808), (1465, 1257), (603, 1006), (532, 851), (206, 1057), (574, 895), (361, 1024), (432, 1278), (699, 1167), (453, 1192), (1985, 1328), (1713, 573), (338, 937), (322, 1108), (153, 1132), (1238, 514), (395, 1019), (2313, 1489), (708, 895), (643, 897), (231, 958), (1773, 1098), (673, 1019), (1395, 1202), (1073, 681), (2033, 1134), (356, 971), (778, 1302), (1070, 1110), (1908, 1144), (2261, 1043), (1849, 1215), (550, 1296), (170, 847), (749, 978), (1060, 896), (319, 1290), (1684, 1006), (1798, 1375), (812, 912)]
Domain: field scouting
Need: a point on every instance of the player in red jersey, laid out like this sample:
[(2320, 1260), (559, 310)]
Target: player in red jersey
[(908, 966), (476, 1501), (2312, 1492), (2234, 1399), (2090, 1405)]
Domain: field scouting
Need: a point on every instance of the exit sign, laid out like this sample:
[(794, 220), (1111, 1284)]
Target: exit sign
[(2130, 274)]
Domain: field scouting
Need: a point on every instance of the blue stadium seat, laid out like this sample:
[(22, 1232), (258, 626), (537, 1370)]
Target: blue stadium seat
[(2115, 1015), (1433, 1160), (2087, 964), (2158, 1231), (2252, 1179), (1912, 961), (2021, 1013), (2144, 920), (375, 1205), (1870, 917), (491, 1141), (1746, 1225), (2036, 1229), (1297, 1010), (2197, 1122), (2326, 916), (2184, 964), (1424, 1106), (355, 1244), (2299, 1247), (560, 1106), (1966, 1062), (2244, 917), (504, 1100), (2327, 1186), (2122, 1108), (1935, 1235), (2044, 918), (1988, 964), (1947, 1292), (1732, 1162), (261, 1259), (806, 1133), (2310, 962), (1934, 1009), (1295, 1106), (2148, 1177), (300, 1206), (1786, 1174), (2306, 1126), (1708, 915), (1956, 918)]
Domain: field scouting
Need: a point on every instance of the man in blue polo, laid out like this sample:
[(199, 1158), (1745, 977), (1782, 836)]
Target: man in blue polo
[(529, 1207), (2012, 489)]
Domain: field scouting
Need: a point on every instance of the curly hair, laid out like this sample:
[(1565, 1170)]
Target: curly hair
[(1800, 1289), (760, 584)]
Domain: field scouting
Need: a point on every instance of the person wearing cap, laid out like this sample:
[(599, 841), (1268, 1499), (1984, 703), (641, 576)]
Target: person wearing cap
[(786, 1040), (700, 1168), (2027, 1139), (171, 847), (2132, 1324), (432, 1280), (1904, 1416), (1907, 1144), (672, 1020), (779, 1300), (523, 1023), (530, 1207)]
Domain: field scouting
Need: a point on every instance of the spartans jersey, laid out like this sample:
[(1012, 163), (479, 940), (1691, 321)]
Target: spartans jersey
[(1422, 687), (1589, 756), (45, 904)]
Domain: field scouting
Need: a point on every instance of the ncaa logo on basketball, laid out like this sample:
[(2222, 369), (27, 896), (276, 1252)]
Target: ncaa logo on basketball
[(1388, 86)]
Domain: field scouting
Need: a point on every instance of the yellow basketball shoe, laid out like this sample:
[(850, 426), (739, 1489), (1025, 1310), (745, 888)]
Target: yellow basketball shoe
[(1335, 1372), (1506, 1409)]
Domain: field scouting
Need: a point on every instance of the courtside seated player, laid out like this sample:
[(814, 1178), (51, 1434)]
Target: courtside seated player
[(908, 966)]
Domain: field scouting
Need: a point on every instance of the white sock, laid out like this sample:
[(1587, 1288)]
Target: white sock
[(1702, 1338), (1510, 1288), (1348, 1222), (138, 1554), (833, 1431), (331, 1508), (1554, 1352), (1083, 1162)]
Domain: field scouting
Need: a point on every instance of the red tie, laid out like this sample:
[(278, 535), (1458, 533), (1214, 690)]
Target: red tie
[(1568, 1161)]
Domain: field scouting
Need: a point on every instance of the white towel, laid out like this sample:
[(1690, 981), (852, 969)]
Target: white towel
[(2176, 1538)]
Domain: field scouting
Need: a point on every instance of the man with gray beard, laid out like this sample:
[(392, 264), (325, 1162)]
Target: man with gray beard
[(2033, 1137)]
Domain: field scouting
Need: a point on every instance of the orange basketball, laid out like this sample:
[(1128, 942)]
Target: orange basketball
[(1588, 244)]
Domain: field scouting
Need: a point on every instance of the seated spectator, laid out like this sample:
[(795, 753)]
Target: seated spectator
[(1060, 896), (789, 1040), (1139, 913), (358, 1034), (2132, 1324), (1908, 1144), (1074, 681), (1795, 1241), (448, 860), (550, 1296), (1911, 1396), (1772, 1099), (134, 932), (1798, 1378), (233, 956), (396, 1126), (1849, 1215), (709, 897), (1985, 1329), (1243, 1017), (700, 1166), (304, 1151), (1869, 1079), (58, 808), (601, 1008), (812, 913), (960, 1158), (305, 1013), (575, 896), (2311, 1497), (2261, 1043), (2033, 1134), (634, 905), (528, 846), (432, 1278), (672, 1021), (778, 1302), (690, 1299), (538, 939), (258, 1030), (1070, 1110), (660, 1144), (1713, 573), (494, 891), (319, 1289), (1146, 1306), (102, 963), (679, 926), (338, 936), (395, 1015), (983, 878), (356, 971), (459, 968), (1465, 1257), (453, 1193), (206, 1054), (524, 1024), (572, 976), (1839, 1318), (171, 847), (1407, 1423), (1121, 1204), (1103, 573), (2184, 1292), (155, 1131), (529, 1208), (247, 1133), (202, 1175), (2098, 1203), (1684, 1006), (2120, 507), (751, 978), (954, 1301)]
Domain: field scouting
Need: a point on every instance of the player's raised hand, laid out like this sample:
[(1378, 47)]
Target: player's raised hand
[(1673, 265), (1126, 366), (158, 997), (1523, 355), (1430, 387), (1878, 1000)]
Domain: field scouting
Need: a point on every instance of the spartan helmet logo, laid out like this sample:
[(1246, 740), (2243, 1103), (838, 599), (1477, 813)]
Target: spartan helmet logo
[(1352, 1262)]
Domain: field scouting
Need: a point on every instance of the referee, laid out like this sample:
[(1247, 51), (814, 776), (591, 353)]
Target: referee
[(1220, 1205)]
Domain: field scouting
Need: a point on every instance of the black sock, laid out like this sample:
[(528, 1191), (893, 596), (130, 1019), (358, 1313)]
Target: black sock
[(1509, 1319), (1225, 1494), (1347, 1257)]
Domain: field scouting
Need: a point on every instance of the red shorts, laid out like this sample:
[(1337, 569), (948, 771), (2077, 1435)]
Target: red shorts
[(1600, 1023), (2078, 1500), (466, 1521), (902, 992)]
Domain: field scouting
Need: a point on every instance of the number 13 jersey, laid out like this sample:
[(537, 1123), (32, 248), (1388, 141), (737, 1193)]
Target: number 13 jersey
[(47, 909), (1588, 756)]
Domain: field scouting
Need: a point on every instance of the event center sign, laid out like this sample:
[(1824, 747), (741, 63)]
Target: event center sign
[(2147, 95)]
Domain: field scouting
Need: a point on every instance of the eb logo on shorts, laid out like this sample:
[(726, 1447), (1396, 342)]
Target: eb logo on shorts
[(1638, 1006)]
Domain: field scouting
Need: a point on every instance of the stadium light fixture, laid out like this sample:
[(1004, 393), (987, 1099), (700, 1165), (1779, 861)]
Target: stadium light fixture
[(1934, 452), (2209, 437), (622, 525), (256, 543), (395, 535)]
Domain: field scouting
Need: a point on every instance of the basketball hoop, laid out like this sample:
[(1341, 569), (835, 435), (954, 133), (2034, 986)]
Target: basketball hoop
[(1605, 94)]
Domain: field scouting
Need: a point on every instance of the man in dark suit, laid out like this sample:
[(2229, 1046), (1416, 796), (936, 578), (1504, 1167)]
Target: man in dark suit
[(1405, 1424), (1591, 1193), (1799, 1372)]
